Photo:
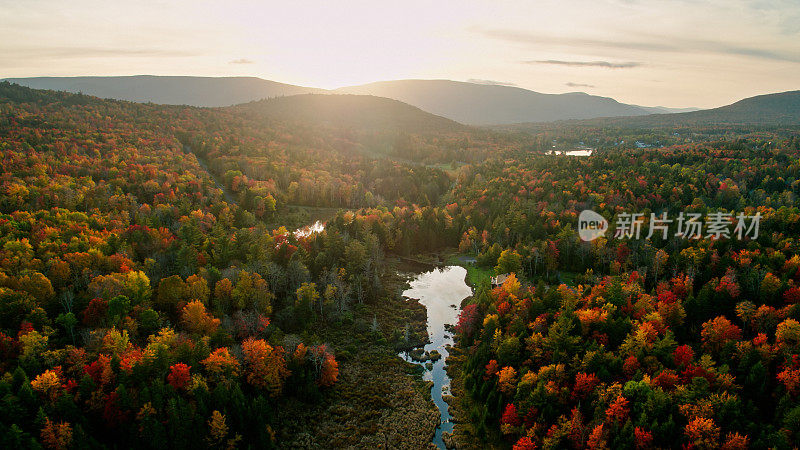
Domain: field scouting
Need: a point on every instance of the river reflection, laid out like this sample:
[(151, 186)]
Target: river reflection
[(316, 227), (441, 291)]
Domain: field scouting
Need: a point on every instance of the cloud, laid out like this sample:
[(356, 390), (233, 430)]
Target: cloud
[(520, 37), (90, 52), (241, 61), (571, 84), (490, 82), (605, 64), (646, 43)]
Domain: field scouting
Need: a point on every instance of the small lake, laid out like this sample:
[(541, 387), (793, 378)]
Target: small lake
[(440, 291), (308, 230), (584, 152)]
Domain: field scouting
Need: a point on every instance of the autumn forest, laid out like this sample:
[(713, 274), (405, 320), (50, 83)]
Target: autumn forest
[(162, 284)]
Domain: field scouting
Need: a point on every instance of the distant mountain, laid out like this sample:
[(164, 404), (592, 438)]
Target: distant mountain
[(665, 110), (772, 110), (482, 104), (194, 91), (351, 111), (782, 108), (470, 103)]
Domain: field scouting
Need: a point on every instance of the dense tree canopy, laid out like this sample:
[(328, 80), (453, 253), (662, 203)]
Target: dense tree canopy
[(152, 292), (621, 342)]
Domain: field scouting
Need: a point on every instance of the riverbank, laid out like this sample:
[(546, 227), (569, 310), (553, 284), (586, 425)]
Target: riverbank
[(379, 401), (440, 290), (464, 434), (475, 274), (201, 160)]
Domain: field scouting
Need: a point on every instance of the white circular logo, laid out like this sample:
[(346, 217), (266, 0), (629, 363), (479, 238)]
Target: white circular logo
[(591, 225)]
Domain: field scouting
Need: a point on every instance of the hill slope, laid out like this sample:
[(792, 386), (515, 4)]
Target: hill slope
[(480, 104), (194, 91), (356, 111), (779, 109)]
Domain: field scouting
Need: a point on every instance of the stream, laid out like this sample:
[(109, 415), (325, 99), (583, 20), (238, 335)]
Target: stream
[(204, 165), (441, 291)]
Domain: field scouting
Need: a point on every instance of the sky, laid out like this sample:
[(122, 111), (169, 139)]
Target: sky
[(674, 53)]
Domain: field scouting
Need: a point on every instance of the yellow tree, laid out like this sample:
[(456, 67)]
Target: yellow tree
[(223, 294), (217, 429), (171, 291), (221, 363), (787, 336), (197, 288), (507, 380), (47, 383), (196, 319), (512, 285), (508, 262), (56, 436), (266, 365), (39, 287), (702, 433), (307, 297)]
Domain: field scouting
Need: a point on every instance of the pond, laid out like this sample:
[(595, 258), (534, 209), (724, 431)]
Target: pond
[(307, 230), (441, 292), (582, 152)]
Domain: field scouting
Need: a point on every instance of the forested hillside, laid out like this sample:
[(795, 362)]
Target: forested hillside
[(139, 305), (170, 90), (635, 342), (762, 111)]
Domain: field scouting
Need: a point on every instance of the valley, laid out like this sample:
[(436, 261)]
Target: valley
[(400, 225), (266, 274)]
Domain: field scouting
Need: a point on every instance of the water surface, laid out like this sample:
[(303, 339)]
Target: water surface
[(583, 152), (441, 291), (307, 230)]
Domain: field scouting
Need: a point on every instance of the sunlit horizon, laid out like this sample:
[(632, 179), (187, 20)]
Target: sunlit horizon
[(648, 52)]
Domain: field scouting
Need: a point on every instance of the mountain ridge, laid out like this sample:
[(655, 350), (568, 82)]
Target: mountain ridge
[(170, 90), (465, 102), (483, 104), (775, 109)]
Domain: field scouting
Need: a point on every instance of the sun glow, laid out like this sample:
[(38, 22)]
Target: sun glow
[(636, 52)]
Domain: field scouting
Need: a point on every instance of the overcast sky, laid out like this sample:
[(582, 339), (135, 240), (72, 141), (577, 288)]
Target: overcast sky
[(648, 52)]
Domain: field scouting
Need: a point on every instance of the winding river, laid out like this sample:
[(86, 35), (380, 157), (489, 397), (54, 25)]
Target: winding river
[(440, 291)]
